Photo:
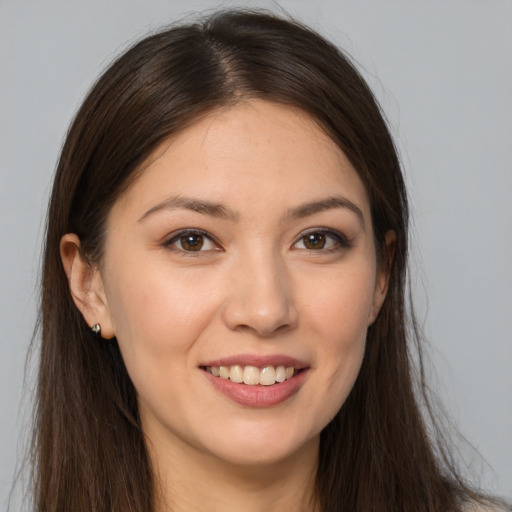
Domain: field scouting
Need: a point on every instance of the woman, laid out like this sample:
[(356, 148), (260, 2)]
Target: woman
[(223, 313)]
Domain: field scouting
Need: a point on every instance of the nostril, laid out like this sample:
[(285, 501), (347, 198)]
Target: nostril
[(260, 298), (261, 330)]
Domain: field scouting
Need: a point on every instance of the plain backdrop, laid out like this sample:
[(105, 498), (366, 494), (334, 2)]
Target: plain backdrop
[(442, 71)]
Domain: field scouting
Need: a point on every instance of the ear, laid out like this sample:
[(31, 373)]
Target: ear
[(85, 285), (383, 273)]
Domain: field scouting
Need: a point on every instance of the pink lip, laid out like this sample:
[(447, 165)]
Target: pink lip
[(258, 360), (258, 396)]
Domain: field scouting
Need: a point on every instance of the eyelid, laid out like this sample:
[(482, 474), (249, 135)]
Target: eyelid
[(176, 235), (342, 241)]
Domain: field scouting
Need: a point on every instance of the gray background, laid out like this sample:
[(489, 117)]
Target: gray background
[(443, 73)]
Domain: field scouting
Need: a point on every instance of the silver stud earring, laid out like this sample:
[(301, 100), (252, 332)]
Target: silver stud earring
[(96, 330)]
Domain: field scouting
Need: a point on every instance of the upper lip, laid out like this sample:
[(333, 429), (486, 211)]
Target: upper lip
[(257, 360)]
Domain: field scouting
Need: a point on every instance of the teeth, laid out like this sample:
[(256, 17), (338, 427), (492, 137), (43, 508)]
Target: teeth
[(267, 376), (252, 375), (236, 374), (280, 374)]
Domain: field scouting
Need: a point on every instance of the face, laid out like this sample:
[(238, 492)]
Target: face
[(243, 253)]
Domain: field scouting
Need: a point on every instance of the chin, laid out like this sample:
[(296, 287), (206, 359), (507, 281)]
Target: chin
[(264, 455), (261, 445)]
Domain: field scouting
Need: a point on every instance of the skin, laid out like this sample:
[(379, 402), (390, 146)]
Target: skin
[(254, 288)]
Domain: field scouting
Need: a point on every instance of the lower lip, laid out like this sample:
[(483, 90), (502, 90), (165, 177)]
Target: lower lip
[(258, 396)]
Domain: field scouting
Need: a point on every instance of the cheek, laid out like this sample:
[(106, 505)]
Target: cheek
[(339, 318), (340, 304), (158, 315)]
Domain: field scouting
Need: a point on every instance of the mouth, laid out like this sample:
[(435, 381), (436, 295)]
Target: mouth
[(253, 375), (256, 381)]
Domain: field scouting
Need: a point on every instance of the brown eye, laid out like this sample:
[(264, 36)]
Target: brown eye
[(314, 241), (191, 242), (322, 240)]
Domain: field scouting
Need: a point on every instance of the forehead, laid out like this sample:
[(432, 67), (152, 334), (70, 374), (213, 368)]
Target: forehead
[(256, 153)]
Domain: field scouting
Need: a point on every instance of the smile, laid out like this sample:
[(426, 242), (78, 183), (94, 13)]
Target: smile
[(253, 375)]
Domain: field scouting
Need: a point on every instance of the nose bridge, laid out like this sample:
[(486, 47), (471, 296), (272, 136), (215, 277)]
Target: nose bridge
[(261, 293)]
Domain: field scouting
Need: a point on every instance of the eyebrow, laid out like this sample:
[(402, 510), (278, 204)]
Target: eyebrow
[(196, 205), (221, 211), (330, 203)]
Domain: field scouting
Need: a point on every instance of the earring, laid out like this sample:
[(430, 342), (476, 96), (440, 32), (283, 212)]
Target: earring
[(96, 330)]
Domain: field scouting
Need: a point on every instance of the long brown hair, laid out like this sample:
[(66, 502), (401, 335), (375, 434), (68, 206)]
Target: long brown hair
[(89, 450)]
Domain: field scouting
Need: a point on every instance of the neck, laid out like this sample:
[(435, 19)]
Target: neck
[(188, 479)]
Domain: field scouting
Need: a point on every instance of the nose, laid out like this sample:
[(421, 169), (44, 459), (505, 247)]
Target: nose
[(261, 298)]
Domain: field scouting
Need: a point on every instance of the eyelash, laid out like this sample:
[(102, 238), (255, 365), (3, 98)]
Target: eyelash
[(170, 244), (340, 241)]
